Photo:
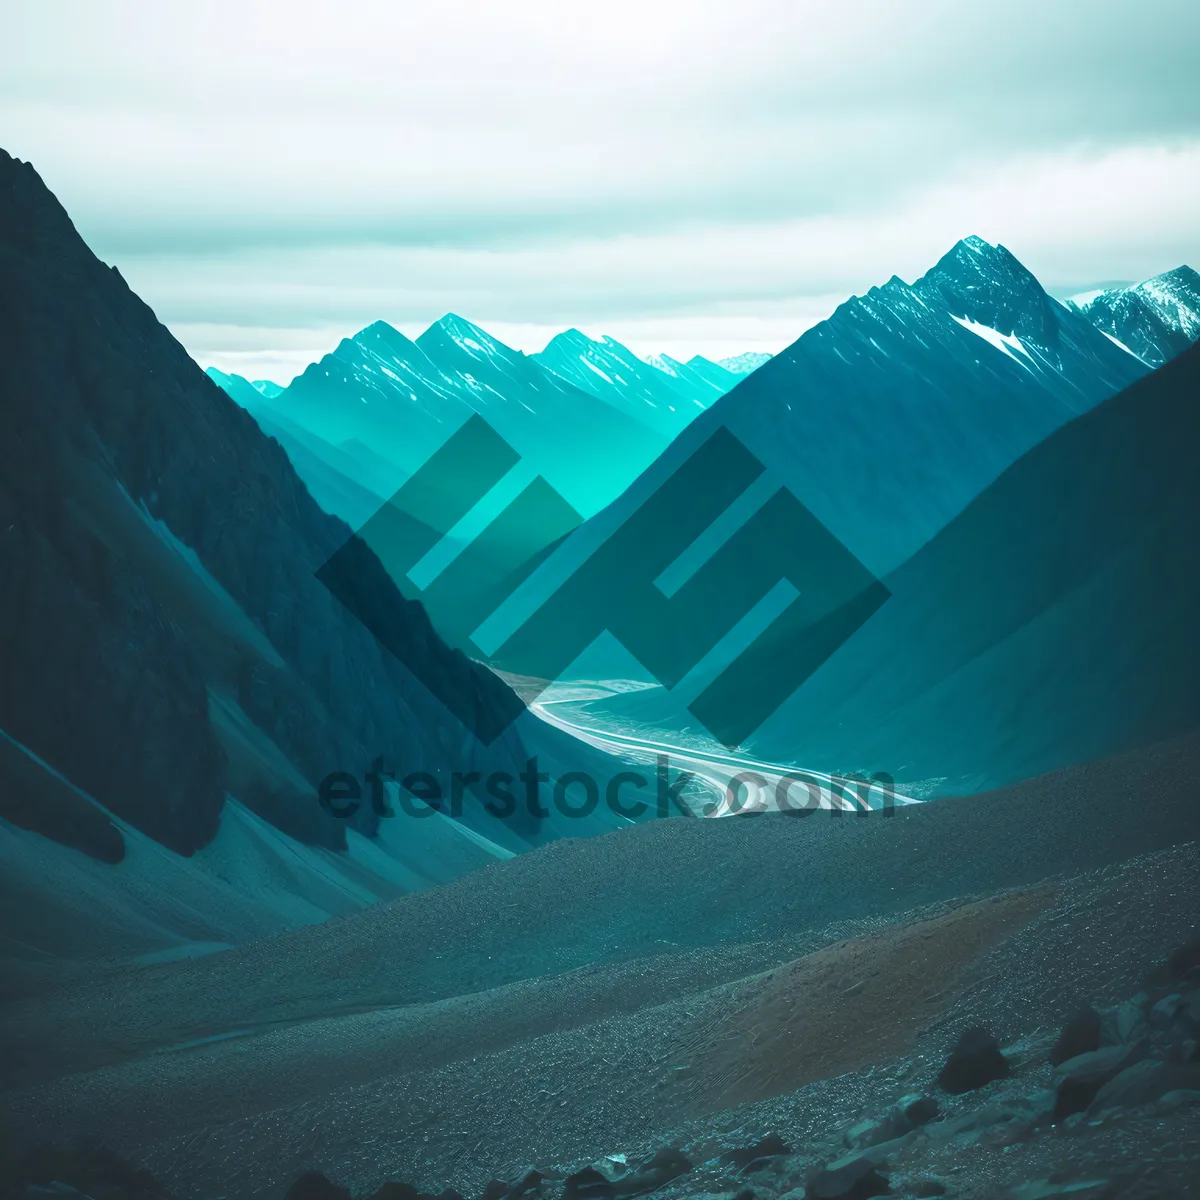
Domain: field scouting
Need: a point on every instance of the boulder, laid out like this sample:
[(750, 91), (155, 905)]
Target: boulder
[(922, 1110), (1181, 1098), (975, 1060), (530, 1184), (1101, 1064), (1080, 1078), (1079, 1035), (612, 1166), (1144, 1083), (1124, 1022), (1163, 1012)]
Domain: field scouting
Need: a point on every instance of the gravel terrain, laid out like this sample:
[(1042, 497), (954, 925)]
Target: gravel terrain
[(688, 984)]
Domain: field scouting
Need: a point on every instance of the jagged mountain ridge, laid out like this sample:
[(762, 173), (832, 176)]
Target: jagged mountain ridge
[(664, 400), (403, 399), (744, 364), (1156, 319), (416, 393)]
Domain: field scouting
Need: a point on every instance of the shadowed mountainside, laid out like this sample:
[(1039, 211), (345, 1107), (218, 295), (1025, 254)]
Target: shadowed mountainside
[(163, 639), (1051, 622)]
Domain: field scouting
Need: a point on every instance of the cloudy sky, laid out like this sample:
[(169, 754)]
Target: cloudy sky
[(706, 176)]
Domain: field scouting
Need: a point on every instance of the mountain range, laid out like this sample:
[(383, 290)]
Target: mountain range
[(888, 421), (890, 416), (587, 415), (661, 393)]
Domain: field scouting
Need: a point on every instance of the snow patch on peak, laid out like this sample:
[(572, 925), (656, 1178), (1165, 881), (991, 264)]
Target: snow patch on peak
[(1117, 342), (1006, 343), (591, 366)]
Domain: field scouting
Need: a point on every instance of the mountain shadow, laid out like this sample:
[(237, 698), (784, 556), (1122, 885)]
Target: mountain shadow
[(164, 642)]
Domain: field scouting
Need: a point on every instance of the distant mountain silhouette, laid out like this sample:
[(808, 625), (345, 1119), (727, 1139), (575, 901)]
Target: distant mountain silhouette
[(587, 414), (403, 399)]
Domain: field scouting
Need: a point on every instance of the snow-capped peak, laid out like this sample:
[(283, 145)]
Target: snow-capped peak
[(1155, 319)]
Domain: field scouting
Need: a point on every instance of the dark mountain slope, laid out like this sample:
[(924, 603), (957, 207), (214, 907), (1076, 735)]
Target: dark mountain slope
[(163, 639), (1054, 620)]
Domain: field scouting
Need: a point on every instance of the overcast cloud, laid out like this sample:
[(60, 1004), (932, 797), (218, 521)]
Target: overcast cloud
[(689, 177)]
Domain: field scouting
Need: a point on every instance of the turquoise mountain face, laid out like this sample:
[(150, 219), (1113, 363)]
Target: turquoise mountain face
[(389, 402), (587, 415), (661, 393), (586, 448)]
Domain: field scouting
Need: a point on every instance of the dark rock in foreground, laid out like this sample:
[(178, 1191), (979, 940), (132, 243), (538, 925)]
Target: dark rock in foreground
[(1079, 1035), (976, 1060)]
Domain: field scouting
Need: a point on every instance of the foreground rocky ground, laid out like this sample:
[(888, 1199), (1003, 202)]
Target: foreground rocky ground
[(686, 988), (1109, 1107), (1101, 1101)]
